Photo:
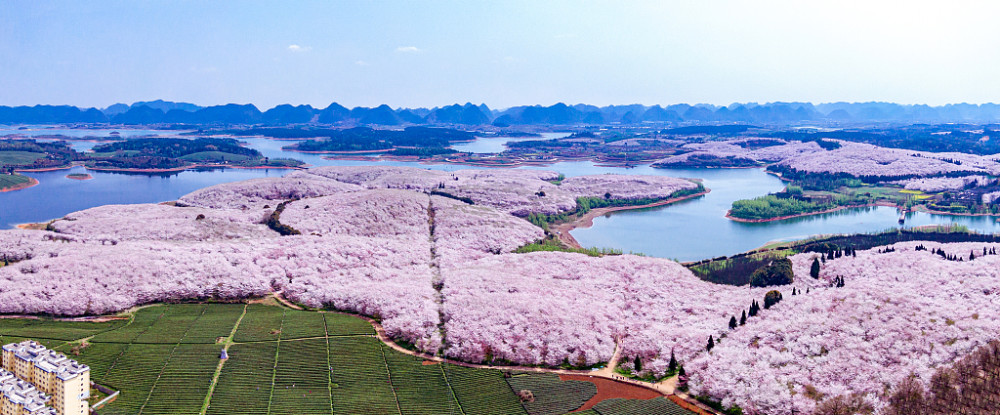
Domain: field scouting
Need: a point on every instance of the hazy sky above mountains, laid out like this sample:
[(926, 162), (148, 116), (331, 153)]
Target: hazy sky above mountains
[(503, 53)]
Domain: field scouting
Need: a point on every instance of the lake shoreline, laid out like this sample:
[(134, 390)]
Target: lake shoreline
[(802, 215), (562, 230), (170, 170), (30, 183), (922, 208), (191, 167)]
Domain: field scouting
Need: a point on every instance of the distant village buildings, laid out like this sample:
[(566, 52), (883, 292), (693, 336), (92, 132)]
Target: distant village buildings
[(38, 381)]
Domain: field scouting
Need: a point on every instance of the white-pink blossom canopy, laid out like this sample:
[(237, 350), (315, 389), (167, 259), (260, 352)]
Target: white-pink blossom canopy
[(373, 240), (899, 313), (440, 273), (855, 159)]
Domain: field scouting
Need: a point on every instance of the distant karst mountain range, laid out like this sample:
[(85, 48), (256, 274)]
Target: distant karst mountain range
[(166, 112)]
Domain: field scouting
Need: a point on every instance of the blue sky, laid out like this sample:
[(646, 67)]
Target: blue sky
[(503, 53)]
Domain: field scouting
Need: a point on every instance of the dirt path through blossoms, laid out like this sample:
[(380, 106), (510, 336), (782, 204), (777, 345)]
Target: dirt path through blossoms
[(281, 299), (587, 220)]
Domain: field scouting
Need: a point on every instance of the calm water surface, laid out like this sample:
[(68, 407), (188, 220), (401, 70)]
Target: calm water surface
[(499, 144), (690, 230), (698, 229)]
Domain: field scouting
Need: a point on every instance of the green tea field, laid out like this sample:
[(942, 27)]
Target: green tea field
[(165, 359)]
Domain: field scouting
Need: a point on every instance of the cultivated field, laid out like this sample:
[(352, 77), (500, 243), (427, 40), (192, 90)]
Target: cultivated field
[(11, 180), (15, 158), (165, 359)]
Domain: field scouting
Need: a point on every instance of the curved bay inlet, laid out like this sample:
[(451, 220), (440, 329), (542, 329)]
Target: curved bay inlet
[(689, 230)]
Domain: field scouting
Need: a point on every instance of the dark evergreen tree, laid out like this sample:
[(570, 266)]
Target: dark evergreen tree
[(743, 318), (732, 323), (681, 372), (778, 272), (771, 298), (638, 364), (711, 344), (814, 270), (672, 366)]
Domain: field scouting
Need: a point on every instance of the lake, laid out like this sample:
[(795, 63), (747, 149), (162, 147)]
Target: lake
[(498, 144), (697, 229), (690, 230)]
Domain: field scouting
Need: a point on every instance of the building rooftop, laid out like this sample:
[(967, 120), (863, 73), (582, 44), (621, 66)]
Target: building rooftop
[(23, 393), (47, 360)]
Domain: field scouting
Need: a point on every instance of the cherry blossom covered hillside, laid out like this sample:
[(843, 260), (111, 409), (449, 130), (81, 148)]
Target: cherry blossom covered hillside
[(465, 232), (163, 223), (551, 307), (901, 311), (854, 159), (439, 273), (360, 242), (860, 160), (518, 192), (739, 150), (937, 184), (368, 213), (258, 193)]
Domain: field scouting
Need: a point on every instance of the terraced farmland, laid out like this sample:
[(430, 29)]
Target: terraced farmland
[(244, 385), (483, 391), (552, 396), (165, 358), (43, 329), (658, 406)]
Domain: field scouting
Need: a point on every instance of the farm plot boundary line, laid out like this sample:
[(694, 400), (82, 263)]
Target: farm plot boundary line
[(166, 363), (222, 362)]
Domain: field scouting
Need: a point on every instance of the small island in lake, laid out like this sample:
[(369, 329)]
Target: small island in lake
[(79, 176), (136, 155)]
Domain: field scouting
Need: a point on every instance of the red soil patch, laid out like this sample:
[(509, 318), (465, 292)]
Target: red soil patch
[(609, 389), (429, 362), (688, 405), (33, 226)]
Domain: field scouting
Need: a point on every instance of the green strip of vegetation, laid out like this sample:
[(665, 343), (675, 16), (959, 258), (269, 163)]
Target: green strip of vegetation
[(8, 181), (551, 244), (274, 220), (774, 206), (463, 199), (586, 204), (740, 268)]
